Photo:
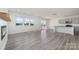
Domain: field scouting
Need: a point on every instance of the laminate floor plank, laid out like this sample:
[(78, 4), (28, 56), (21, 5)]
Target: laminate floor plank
[(42, 40)]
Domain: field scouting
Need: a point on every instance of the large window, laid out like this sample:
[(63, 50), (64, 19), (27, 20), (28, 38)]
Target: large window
[(19, 21), (25, 21)]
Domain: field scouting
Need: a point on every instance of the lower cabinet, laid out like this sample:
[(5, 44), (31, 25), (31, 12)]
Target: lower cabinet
[(63, 29)]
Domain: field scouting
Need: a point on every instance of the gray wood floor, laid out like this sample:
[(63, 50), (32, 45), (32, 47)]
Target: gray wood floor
[(42, 40)]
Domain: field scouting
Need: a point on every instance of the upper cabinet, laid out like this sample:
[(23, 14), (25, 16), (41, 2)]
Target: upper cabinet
[(69, 20), (4, 14)]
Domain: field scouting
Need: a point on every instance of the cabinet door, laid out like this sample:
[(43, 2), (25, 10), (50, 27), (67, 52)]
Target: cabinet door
[(62, 21)]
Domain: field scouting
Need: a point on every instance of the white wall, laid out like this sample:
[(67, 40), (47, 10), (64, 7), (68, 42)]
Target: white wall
[(4, 10), (52, 22), (18, 29)]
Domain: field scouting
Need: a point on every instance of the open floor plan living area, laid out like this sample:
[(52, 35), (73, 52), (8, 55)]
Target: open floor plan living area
[(39, 28)]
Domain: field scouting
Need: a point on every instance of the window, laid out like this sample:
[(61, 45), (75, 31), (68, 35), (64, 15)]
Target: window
[(26, 21), (19, 21), (31, 22)]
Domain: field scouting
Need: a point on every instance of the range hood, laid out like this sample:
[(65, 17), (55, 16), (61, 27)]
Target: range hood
[(5, 16)]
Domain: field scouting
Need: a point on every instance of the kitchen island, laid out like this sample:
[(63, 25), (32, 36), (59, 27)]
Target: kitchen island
[(64, 29)]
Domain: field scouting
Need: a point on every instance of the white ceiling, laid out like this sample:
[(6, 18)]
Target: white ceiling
[(47, 12)]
